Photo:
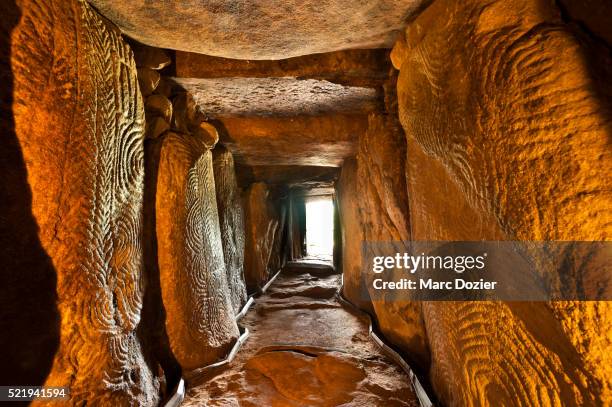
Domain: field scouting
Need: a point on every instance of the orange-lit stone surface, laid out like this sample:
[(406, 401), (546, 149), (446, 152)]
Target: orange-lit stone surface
[(323, 140), (296, 225), (119, 268), (304, 348), (71, 207), (277, 255), (352, 235), (261, 226), (360, 67), (260, 29), (277, 97), (383, 209), (231, 222), (504, 105), (303, 176), (194, 285)]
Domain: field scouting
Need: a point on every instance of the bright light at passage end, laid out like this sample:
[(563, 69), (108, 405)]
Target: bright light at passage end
[(320, 227)]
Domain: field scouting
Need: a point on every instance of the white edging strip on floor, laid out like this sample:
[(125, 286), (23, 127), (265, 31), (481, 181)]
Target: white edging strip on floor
[(424, 400), (269, 283), (245, 309), (420, 392), (251, 299), (241, 340), (179, 394), (227, 360)]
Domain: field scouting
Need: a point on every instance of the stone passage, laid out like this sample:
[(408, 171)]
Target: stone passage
[(305, 349), (145, 192)]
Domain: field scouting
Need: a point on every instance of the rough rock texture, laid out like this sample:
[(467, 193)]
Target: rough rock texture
[(231, 221), (207, 132), (71, 223), (543, 355), (159, 105), (365, 68), (261, 224), (184, 111), (148, 79), (377, 177), (277, 257), (165, 87), (187, 117), (199, 312), (352, 236), (150, 57), (156, 126), (296, 225), (337, 231), (284, 96), (528, 84), (260, 29), (305, 349), (384, 216), (520, 142), (323, 140), (158, 108), (153, 322), (290, 175)]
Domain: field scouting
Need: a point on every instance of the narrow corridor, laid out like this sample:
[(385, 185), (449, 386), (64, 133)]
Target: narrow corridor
[(163, 161), (305, 349)]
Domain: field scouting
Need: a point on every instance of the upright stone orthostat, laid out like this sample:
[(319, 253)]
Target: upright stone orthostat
[(384, 217), (261, 227), (72, 155), (231, 221), (506, 111), (199, 313), (352, 236)]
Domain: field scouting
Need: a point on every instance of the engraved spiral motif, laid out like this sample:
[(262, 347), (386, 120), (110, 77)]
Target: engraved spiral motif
[(231, 221), (509, 106), (200, 319), (81, 124)]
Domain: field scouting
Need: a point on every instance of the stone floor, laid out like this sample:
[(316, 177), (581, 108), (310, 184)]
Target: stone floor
[(305, 349)]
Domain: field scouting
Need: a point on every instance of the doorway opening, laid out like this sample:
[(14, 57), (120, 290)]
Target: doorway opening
[(320, 227)]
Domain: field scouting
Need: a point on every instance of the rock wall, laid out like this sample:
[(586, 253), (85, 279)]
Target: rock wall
[(352, 235), (199, 311), (153, 324), (277, 256), (158, 114), (383, 215), (507, 116), (158, 108), (231, 220), (296, 226), (302, 140), (261, 225), (72, 163), (377, 177), (188, 322)]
